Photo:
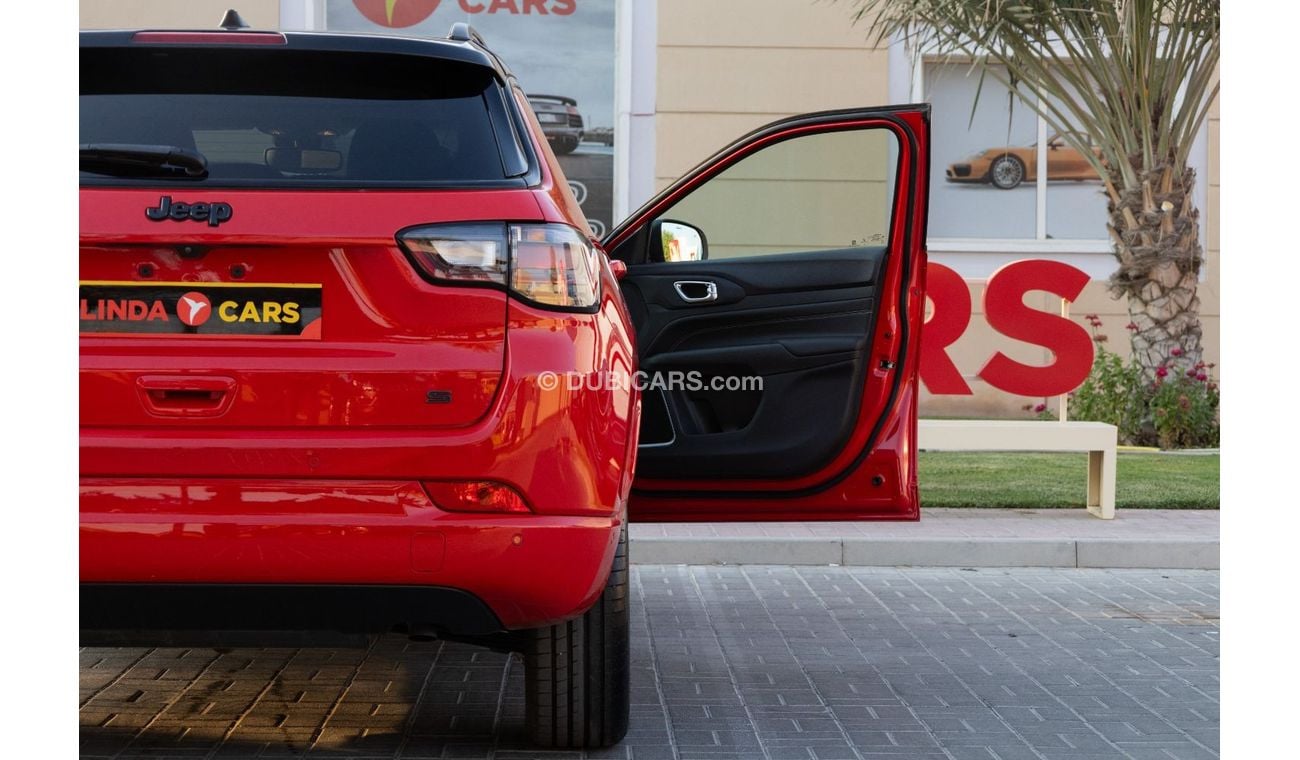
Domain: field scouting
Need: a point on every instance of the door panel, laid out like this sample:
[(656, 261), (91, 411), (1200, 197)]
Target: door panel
[(778, 343), (796, 322)]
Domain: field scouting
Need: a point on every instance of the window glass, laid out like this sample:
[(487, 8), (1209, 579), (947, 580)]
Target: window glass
[(984, 173), (981, 169), (292, 118), (1076, 198), (811, 193)]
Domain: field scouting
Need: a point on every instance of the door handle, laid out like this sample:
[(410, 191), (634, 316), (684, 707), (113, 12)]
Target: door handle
[(696, 291), (186, 395)]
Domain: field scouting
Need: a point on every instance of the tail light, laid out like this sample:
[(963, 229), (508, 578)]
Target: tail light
[(550, 265), (476, 496), (460, 252)]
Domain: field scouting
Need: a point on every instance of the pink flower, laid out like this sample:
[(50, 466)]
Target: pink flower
[(1040, 408), (1176, 351), (1202, 376), (1162, 372), (1100, 338), (1131, 326), (1191, 373)]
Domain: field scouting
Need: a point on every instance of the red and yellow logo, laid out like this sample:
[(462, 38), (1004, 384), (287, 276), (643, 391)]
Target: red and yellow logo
[(193, 308), (396, 14)]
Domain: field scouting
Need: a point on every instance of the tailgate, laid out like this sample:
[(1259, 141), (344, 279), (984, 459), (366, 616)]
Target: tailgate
[(299, 310)]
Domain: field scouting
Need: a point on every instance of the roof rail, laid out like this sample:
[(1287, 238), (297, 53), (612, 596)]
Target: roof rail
[(463, 32)]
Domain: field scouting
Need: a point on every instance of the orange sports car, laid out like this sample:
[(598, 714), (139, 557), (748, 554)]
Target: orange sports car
[(1007, 167)]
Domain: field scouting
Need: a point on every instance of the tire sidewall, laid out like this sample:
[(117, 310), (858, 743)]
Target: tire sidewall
[(577, 673), (993, 174)]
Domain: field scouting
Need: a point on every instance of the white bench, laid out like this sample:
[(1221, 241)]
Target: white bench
[(1096, 438)]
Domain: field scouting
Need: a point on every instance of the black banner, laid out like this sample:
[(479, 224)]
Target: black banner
[(201, 308)]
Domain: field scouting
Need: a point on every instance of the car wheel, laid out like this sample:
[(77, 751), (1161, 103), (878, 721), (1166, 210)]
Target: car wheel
[(565, 145), (576, 674), (1006, 171)]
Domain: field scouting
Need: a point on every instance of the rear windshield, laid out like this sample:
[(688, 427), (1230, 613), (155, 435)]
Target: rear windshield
[(302, 118)]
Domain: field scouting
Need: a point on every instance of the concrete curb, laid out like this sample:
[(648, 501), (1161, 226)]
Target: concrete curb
[(1174, 554)]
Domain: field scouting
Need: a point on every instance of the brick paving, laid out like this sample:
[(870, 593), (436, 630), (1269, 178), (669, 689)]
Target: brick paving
[(815, 663)]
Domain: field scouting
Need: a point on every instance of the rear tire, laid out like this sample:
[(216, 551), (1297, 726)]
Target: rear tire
[(576, 673), (565, 145)]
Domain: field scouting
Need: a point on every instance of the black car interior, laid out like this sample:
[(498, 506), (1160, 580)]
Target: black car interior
[(801, 322)]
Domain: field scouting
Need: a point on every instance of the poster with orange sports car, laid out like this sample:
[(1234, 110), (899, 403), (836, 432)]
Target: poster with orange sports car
[(985, 166), (1007, 167)]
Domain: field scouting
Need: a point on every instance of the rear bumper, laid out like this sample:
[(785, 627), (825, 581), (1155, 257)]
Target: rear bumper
[(160, 613), (526, 570), (562, 132)]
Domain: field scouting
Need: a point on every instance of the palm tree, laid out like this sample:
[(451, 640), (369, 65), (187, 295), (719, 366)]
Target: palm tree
[(1138, 78)]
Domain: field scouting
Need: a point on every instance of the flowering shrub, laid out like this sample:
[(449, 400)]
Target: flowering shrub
[(1040, 410), (1180, 409), (1185, 409), (1112, 393)]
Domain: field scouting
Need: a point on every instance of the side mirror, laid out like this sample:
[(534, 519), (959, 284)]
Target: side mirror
[(678, 241)]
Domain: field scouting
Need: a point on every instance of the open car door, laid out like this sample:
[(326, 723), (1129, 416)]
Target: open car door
[(778, 294)]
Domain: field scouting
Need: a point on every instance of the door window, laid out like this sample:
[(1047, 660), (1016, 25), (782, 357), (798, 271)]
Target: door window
[(819, 192)]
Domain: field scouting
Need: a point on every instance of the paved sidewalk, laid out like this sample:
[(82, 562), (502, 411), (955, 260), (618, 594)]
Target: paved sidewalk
[(735, 663), (1136, 538)]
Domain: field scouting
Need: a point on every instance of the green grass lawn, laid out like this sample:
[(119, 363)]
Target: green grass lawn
[(1043, 481)]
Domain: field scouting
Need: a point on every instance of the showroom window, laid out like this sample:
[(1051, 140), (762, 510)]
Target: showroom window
[(986, 189)]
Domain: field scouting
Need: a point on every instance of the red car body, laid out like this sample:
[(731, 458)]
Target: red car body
[(176, 496), (403, 460)]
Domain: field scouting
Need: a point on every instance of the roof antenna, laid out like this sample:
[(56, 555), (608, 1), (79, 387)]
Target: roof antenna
[(463, 32), (232, 22)]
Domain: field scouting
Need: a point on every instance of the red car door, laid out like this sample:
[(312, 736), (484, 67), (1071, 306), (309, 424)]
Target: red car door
[(778, 293)]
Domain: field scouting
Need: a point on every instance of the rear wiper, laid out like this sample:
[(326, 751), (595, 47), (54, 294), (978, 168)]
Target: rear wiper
[(128, 160)]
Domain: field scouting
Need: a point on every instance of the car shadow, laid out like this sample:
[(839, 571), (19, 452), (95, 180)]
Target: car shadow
[(395, 697)]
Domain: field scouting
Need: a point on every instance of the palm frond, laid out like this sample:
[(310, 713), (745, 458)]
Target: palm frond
[(1135, 76)]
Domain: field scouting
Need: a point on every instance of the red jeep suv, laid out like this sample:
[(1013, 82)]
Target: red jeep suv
[(352, 362)]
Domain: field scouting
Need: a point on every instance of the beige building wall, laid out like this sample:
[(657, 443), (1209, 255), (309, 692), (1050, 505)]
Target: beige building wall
[(728, 66), (175, 14)]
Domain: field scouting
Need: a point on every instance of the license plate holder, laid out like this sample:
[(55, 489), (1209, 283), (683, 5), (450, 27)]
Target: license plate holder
[(230, 309)]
